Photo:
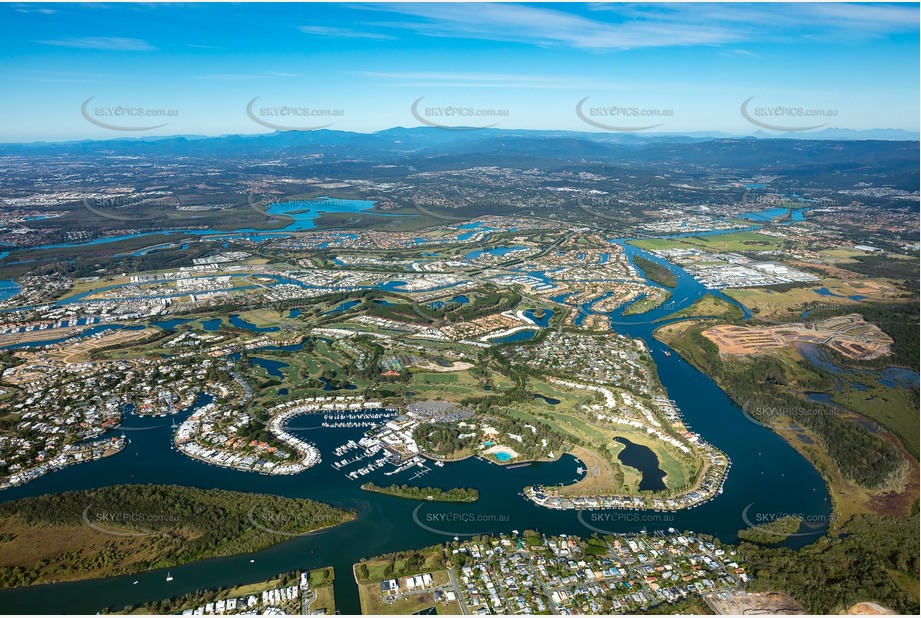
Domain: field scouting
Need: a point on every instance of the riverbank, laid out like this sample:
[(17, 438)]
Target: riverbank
[(71, 454), (848, 496), (55, 537)]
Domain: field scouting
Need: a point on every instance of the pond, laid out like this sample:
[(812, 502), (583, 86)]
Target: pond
[(239, 322), (344, 307), (643, 459)]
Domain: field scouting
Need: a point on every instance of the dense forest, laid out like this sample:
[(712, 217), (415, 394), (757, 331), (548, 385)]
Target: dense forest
[(656, 272), (458, 494), (448, 441), (876, 559), (772, 532), (129, 528)]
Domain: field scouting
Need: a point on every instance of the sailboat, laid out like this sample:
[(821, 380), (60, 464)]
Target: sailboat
[(169, 577)]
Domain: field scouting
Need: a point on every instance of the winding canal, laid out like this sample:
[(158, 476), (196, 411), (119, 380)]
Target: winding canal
[(767, 476)]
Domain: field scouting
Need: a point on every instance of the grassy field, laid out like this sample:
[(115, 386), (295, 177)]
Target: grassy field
[(773, 305), (268, 317), (708, 305), (321, 582), (373, 604), (738, 241), (580, 428), (599, 475), (379, 569)]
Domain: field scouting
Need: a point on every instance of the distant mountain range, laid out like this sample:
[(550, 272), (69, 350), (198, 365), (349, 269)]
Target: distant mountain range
[(400, 138), (402, 150)]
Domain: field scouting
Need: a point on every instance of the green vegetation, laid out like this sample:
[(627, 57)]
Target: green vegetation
[(131, 528), (772, 532), (647, 303), (887, 266), (876, 559), (482, 301), (867, 459), (736, 241), (656, 272), (709, 306), (451, 442), (435, 494), (400, 564)]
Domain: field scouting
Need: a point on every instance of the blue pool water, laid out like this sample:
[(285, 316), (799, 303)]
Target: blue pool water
[(502, 456)]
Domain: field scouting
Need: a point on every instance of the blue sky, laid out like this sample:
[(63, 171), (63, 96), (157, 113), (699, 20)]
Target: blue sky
[(368, 63)]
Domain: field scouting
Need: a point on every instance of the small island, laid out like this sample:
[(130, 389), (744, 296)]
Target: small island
[(772, 532), (434, 494), (656, 272)]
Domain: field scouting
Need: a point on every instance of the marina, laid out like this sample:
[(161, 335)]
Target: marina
[(786, 482)]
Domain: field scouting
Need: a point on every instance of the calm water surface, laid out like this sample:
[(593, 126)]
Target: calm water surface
[(767, 476)]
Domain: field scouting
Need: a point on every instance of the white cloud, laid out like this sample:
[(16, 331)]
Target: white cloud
[(246, 76), (106, 43), (632, 26), (342, 33)]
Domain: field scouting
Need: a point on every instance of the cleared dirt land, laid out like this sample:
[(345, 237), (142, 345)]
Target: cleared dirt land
[(849, 335), (753, 603)]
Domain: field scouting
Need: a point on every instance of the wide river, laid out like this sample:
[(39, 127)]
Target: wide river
[(768, 478)]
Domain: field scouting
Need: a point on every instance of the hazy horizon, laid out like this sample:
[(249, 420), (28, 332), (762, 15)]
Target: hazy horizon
[(100, 71)]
